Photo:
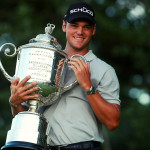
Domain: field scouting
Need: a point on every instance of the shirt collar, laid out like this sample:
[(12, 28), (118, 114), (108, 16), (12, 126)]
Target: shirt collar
[(89, 56)]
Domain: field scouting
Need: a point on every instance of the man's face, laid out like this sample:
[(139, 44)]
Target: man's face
[(78, 34)]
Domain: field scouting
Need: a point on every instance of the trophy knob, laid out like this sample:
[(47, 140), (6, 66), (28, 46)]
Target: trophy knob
[(49, 29), (46, 38)]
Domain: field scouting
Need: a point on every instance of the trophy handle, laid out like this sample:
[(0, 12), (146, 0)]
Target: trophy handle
[(6, 51), (68, 87)]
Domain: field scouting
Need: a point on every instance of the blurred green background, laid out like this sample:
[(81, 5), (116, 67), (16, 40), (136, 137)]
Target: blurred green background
[(122, 40)]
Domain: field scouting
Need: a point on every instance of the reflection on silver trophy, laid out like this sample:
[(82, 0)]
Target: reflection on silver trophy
[(45, 62)]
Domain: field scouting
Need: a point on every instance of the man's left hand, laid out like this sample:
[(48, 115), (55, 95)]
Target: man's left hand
[(82, 72)]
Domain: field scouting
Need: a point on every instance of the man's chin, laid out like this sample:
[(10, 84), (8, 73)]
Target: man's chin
[(78, 48)]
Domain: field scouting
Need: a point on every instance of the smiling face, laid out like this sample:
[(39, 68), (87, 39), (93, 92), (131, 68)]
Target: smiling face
[(78, 34)]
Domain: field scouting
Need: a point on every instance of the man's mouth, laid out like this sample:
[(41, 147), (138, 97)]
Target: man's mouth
[(79, 38)]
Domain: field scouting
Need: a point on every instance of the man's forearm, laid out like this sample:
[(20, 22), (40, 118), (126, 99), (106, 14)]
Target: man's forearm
[(107, 113)]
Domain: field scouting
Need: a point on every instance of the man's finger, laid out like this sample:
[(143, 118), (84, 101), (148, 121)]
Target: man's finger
[(24, 81), (30, 97), (28, 86), (30, 91), (14, 82)]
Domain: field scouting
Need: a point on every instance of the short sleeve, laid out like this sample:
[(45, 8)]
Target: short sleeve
[(109, 87)]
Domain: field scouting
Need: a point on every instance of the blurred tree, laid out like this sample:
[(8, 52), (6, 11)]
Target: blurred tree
[(122, 40)]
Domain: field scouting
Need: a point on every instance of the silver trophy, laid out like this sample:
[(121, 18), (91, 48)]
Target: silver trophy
[(46, 63)]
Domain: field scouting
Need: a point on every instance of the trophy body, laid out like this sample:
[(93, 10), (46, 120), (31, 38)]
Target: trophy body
[(45, 62)]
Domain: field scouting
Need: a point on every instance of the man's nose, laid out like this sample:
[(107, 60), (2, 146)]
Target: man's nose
[(80, 31)]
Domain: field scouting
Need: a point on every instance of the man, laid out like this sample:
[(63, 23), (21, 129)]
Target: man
[(76, 118)]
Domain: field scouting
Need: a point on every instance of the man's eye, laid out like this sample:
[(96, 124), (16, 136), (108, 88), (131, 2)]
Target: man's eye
[(87, 27), (73, 25)]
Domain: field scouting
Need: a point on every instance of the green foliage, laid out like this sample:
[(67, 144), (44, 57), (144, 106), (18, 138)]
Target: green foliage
[(122, 40)]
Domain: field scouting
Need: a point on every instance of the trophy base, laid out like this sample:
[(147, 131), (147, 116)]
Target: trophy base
[(28, 131), (22, 146)]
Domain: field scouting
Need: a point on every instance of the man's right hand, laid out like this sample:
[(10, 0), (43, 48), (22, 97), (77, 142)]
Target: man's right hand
[(20, 91)]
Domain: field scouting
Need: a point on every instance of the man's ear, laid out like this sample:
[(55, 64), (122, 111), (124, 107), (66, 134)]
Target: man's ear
[(64, 26), (94, 30)]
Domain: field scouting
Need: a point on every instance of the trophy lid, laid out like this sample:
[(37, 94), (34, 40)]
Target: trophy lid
[(46, 41), (47, 38)]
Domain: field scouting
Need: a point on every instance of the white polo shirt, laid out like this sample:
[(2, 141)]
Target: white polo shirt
[(71, 119)]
